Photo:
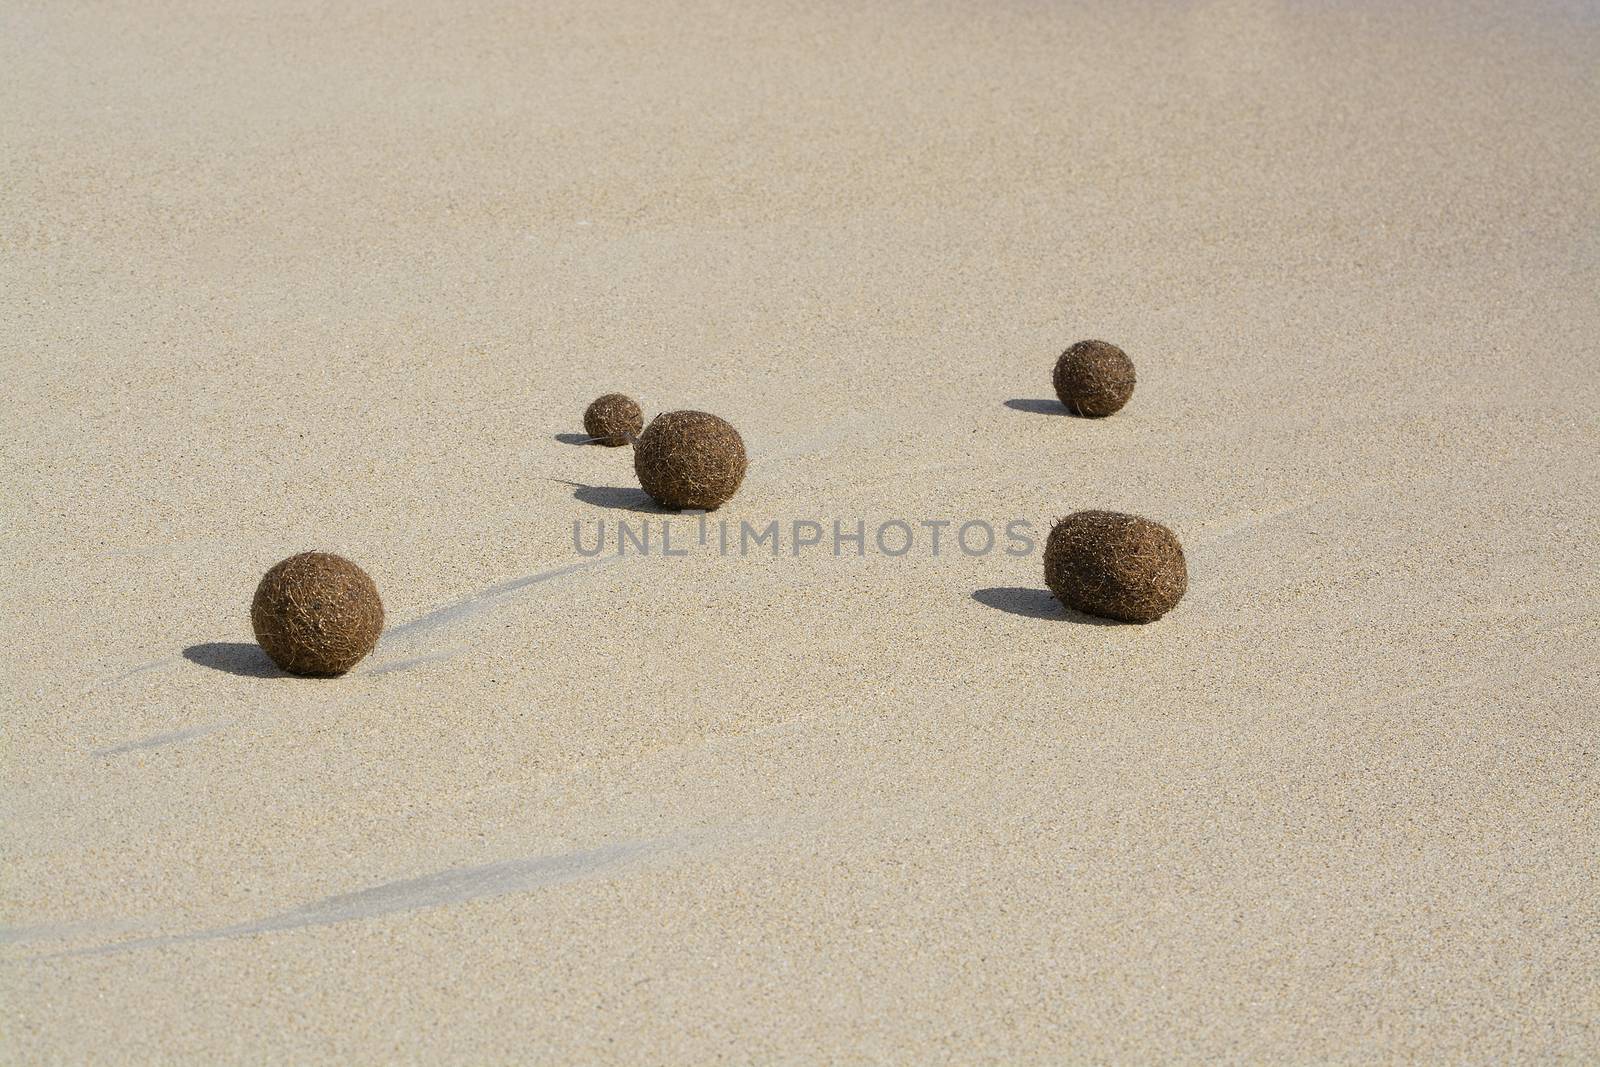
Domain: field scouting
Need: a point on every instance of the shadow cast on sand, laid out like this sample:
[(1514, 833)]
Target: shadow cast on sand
[(1035, 604), (234, 657), (606, 496), (575, 439), (613, 496), (1042, 407)]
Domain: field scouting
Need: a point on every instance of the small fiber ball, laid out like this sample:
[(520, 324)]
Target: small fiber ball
[(689, 459), (316, 614), (1093, 378), (1115, 566), (613, 420)]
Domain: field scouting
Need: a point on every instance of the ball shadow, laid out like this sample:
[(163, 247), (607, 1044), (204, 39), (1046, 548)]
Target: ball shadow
[(1035, 604), (575, 439), (616, 498), (234, 657), (1041, 407)]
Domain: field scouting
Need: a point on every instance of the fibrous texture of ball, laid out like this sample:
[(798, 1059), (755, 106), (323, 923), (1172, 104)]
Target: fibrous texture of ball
[(1093, 378), (613, 420), (689, 459), (1115, 566), (316, 614)]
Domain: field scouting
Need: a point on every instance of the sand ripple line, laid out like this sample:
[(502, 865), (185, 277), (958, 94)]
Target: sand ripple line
[(472, 605), (440, 889), (1224, 529), (12, 935), (168, 738)]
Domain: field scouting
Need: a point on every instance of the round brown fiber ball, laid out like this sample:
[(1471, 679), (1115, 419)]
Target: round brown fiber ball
[(316, 614), (1115, 566), (613, 420), (1093, 378), (688, 459)]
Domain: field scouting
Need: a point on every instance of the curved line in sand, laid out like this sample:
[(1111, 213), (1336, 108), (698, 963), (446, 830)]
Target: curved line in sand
[(440, 889)]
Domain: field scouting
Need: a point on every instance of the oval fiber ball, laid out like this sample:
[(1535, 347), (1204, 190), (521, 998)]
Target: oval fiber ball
[(1115, 566), (689, 459), (613, 420), (316, 614), (1093, 378)]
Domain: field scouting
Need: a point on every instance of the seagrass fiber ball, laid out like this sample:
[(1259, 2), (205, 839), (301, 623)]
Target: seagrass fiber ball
[(613, 420), (316, 614), (1093, 378), (689, 459), (1115, 566)]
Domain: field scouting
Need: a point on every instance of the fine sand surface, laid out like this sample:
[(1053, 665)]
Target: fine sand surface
[(279, 276)]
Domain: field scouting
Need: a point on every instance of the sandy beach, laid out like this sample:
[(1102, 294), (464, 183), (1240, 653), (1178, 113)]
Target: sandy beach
[(287, 276)]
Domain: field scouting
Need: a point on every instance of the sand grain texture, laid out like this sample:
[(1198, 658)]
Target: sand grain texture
[(282, 275)]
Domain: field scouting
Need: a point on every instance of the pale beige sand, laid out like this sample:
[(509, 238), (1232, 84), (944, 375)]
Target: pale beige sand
[(335, 276)]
